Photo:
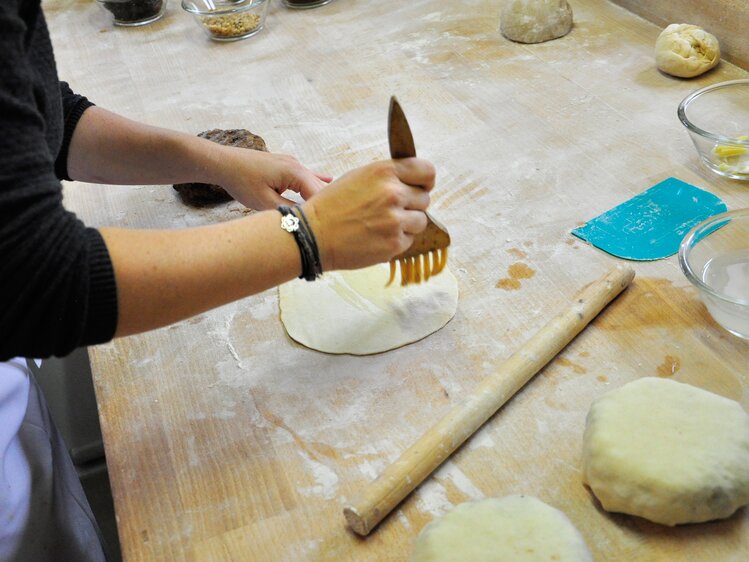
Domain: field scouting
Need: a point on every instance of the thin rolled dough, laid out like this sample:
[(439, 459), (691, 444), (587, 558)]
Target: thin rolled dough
[(353, 312), (513, 528), (666, 451)]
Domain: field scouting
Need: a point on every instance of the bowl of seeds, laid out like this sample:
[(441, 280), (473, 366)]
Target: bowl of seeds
[(228, 20), (130, 13)]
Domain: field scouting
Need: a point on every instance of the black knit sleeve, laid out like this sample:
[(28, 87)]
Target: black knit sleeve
[(73, 106), (57, 285)]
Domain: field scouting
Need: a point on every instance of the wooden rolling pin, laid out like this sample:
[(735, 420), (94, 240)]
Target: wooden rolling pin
[(399, 479)]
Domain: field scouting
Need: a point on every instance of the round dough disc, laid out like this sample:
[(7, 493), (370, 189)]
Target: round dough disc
[(686, 50), (667, 451), (354, 312), (516, 528), (535, 21)]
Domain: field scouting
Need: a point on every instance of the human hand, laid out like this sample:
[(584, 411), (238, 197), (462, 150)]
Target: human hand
[(372, 213), (258, 179)]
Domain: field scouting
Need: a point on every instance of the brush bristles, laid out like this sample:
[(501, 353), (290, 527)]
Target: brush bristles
[(426, 267), (393, 269), (420, 268)]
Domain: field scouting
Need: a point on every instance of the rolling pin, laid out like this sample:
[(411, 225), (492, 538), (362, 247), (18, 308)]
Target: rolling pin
[(399, 479)]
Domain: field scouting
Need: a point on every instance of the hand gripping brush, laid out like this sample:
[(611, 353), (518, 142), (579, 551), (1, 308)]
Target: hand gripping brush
[(427, 255)]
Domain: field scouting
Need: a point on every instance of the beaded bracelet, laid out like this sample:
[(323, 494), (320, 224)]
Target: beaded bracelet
[(295, 222)]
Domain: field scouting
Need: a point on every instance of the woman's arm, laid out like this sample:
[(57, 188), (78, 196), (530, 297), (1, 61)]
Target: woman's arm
[(108, 148), (167, 275), (366, 217), (163, 276), (63, 285)]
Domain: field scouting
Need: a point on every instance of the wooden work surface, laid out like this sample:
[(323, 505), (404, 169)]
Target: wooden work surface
[(227, 441)]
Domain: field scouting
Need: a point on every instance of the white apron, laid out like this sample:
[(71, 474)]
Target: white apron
[(44, 514)]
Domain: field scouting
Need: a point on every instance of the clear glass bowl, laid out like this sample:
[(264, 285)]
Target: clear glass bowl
[(714, 256), (228, 20), (131, 13), (717, 118), (304, 4)]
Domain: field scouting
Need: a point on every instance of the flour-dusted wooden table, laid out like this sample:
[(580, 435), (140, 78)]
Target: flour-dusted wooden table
[(227, 441)]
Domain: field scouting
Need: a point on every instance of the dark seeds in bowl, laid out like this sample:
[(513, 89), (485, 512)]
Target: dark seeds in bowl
[(134, 10)]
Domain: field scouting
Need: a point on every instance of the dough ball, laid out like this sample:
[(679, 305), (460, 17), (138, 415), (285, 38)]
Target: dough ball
[(354, 312), (686, 50), (513, 528), (535, 21), (666, 451), (201, 194)]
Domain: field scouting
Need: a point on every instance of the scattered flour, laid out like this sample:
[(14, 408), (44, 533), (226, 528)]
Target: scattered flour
[(431, 498), (481, 439), (454, 389), (326, 481), (404, 520), (192, 454), (450, 471), (372, 469), (224, 414)]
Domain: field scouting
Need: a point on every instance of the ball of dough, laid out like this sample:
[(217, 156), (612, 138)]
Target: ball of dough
[(516, 528), (666, 451), (686, 50), (535, 21)]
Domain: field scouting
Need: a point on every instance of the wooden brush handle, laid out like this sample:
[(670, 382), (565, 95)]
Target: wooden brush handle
[(399, 479)]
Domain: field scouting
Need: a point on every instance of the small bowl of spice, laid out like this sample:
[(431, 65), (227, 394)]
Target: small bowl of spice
[(131, 13), (304, 4), (228, 20)]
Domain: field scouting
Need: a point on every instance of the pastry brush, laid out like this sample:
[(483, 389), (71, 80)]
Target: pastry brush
[(427, 255)]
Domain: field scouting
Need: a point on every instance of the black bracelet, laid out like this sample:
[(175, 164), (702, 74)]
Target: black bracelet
[(317, 266), (305, 240)]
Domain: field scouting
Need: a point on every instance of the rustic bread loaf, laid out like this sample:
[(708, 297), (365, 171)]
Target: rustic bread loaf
[(200, 194)]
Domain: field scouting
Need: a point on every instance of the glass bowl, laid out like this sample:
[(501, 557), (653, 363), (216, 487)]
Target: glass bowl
[(228, 20), (304, 4), (131, 13), (714, 256), (717, 118)]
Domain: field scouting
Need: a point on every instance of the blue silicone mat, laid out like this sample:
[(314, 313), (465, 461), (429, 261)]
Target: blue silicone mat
[(651, 225)]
